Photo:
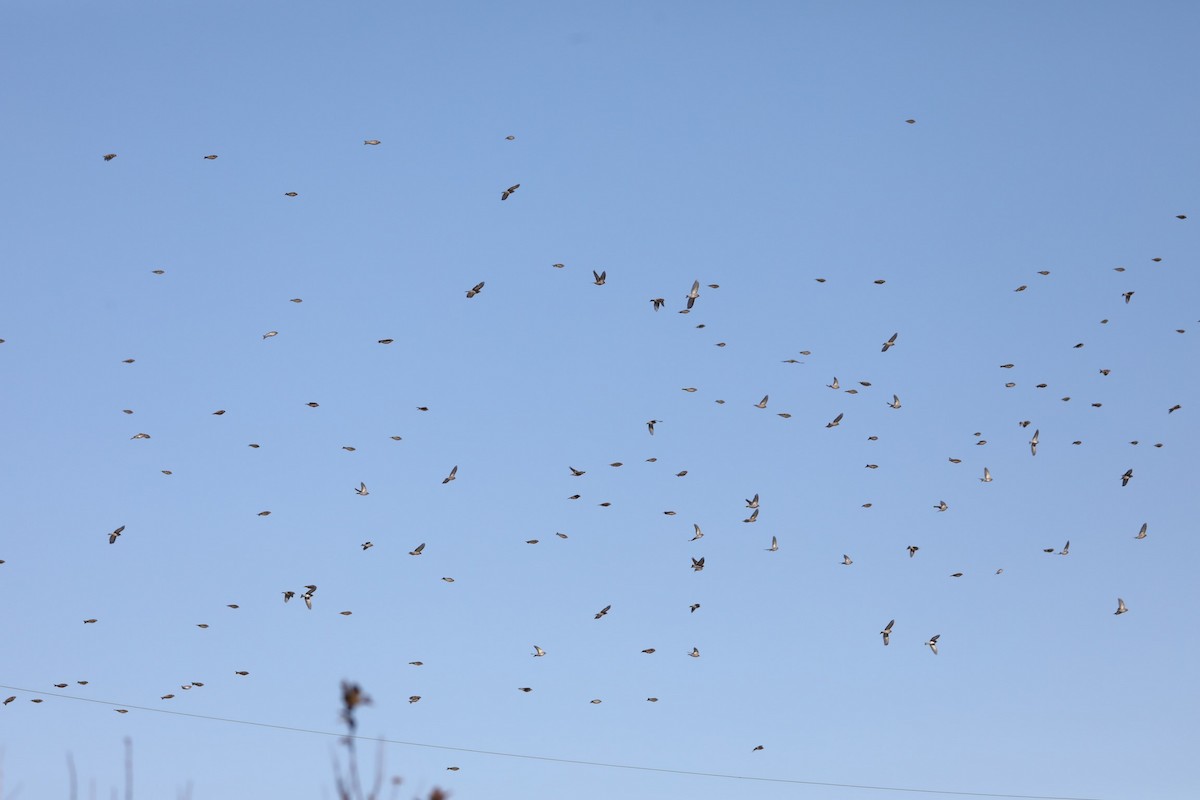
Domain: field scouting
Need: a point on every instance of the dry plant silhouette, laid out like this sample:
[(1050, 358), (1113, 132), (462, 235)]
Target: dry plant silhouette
[(348, 781)]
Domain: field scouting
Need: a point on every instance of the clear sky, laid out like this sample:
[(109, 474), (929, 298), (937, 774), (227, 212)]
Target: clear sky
[(761, 147)]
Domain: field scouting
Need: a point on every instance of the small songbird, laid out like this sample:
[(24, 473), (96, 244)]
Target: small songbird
[(836, 421), (889, 343), (697, 564), (370, 141), (1142, 533), (887, 632), (932, 643), (987, 476), (599, 277), (602, 611), (658, 302), (288, 596), (835, 384), (1121, 607), (538, 652), (941, 506), (693, 295), (753, 516), (695, 652), (367, 545), (270, 334), (510, 138), (453, 474), (112, 537), (507, 192), (648, 650), (757, 748), (752, 503), (774, 545), (692, 608), (1033, 443), (1128, 296), (1066, 548), (1126, 477), (912, 550), (699, 533), (291, 194), (416, 551), (361, 491), (109, 156), (576, 472), (895, 402), (846, 560), (474, 290), (650, 425), (763, 403)]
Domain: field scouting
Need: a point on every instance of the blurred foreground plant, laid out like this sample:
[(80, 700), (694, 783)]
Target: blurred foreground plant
[(349, 783)]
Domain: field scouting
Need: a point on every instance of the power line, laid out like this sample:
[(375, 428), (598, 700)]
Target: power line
[(553, 759)]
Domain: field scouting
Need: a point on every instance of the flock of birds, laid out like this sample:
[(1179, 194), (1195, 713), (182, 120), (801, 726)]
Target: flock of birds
[(689, 302)]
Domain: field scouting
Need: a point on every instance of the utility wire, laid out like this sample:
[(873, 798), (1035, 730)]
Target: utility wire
[(528, 757)]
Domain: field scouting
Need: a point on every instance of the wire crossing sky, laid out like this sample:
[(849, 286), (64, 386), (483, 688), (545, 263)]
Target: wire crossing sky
[(792, 390), (540, 758)]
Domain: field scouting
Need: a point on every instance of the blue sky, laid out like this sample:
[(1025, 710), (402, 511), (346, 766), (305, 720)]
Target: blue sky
[(759, 147)]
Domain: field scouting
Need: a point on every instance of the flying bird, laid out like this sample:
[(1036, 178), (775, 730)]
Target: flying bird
[(762, 403), (987, 476), (371, 141), (509, 191), (753, 516), (474, 290), (752, 503), (603, 611), (1121, 607), (912, 550), (1126, 477), (895, 402), (1066, 548), (1142, 533), (109, 156), (846, 560), (416, 551), (695, 652), (693, 294), (658, 302), (699, 533), (836, 421), (361, 491), (1033, 443), (941, 506), (693, 607), (774, 545), (453, 474), (889, 343), (697, 564), (932, 643), (650, 425), (112, 537), (599, 277), (537, 651), (887, 632)]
